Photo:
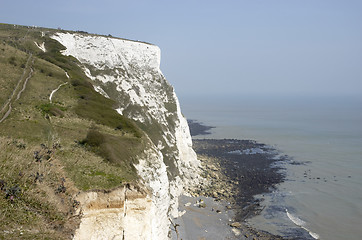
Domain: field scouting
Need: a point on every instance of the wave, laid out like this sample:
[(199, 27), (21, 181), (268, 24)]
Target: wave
[(299, 222)]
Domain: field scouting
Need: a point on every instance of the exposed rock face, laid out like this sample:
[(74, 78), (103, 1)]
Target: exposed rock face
[(129, 72), (115, 214)]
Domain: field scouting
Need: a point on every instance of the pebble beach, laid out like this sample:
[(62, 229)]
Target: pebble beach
[(234, 172)]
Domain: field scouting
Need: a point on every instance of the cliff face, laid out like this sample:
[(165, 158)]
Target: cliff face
[(115, 214), (129, 73)]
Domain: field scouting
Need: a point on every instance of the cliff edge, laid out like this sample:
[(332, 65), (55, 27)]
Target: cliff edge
[(129, 73), (96, 133)]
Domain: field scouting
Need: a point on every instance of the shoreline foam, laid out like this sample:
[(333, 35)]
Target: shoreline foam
[(299, 222)]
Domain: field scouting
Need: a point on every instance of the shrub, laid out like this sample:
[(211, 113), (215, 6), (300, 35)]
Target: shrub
[(13, 192), (93, 139), (52, 109), (12, 60), (117, 150)]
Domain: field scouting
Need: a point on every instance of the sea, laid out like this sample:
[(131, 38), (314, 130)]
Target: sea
[(321, 197)]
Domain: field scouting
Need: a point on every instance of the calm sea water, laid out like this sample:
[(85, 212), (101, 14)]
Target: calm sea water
[(321, 198)]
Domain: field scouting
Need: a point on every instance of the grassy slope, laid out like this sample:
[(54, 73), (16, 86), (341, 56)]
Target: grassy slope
[(48, 152)]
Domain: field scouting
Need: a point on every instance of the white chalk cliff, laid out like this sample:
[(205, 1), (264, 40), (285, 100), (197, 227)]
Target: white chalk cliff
[(129, 73)]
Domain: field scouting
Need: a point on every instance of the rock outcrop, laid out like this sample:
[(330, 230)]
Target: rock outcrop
[(115, 214)]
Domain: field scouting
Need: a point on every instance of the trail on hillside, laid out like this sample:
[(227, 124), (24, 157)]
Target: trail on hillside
[(16, 89), (25, 83), (17, 85), (55, 90)]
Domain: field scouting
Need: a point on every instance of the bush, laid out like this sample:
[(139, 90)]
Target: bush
[(93, 139), (52, 109), (12, 60), (12, 192), (117, 150), (77, 82)]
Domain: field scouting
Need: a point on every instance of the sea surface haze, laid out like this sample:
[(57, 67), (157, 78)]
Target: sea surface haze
[(322, 195)]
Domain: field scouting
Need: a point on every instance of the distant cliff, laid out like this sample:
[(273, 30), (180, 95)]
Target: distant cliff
[(100, 108)]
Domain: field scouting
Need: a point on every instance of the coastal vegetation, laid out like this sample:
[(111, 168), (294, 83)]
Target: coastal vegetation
[(49, 151)]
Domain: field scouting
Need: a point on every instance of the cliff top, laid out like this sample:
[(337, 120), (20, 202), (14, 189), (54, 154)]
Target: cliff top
[(53, 147)]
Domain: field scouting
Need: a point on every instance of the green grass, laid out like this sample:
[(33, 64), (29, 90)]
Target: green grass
[(52, 109), (115, 149), (10, 70), (77, 100), (98, 146), (94, 106), (34, 206)]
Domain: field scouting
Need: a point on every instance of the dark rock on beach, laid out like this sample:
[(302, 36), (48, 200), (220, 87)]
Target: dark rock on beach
[(246, 173), (234, 172)]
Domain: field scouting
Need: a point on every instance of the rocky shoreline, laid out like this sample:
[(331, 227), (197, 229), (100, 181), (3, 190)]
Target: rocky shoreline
[(234, 172)]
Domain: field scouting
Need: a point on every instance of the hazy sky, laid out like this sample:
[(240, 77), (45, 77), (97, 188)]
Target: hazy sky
[(219, 48)]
